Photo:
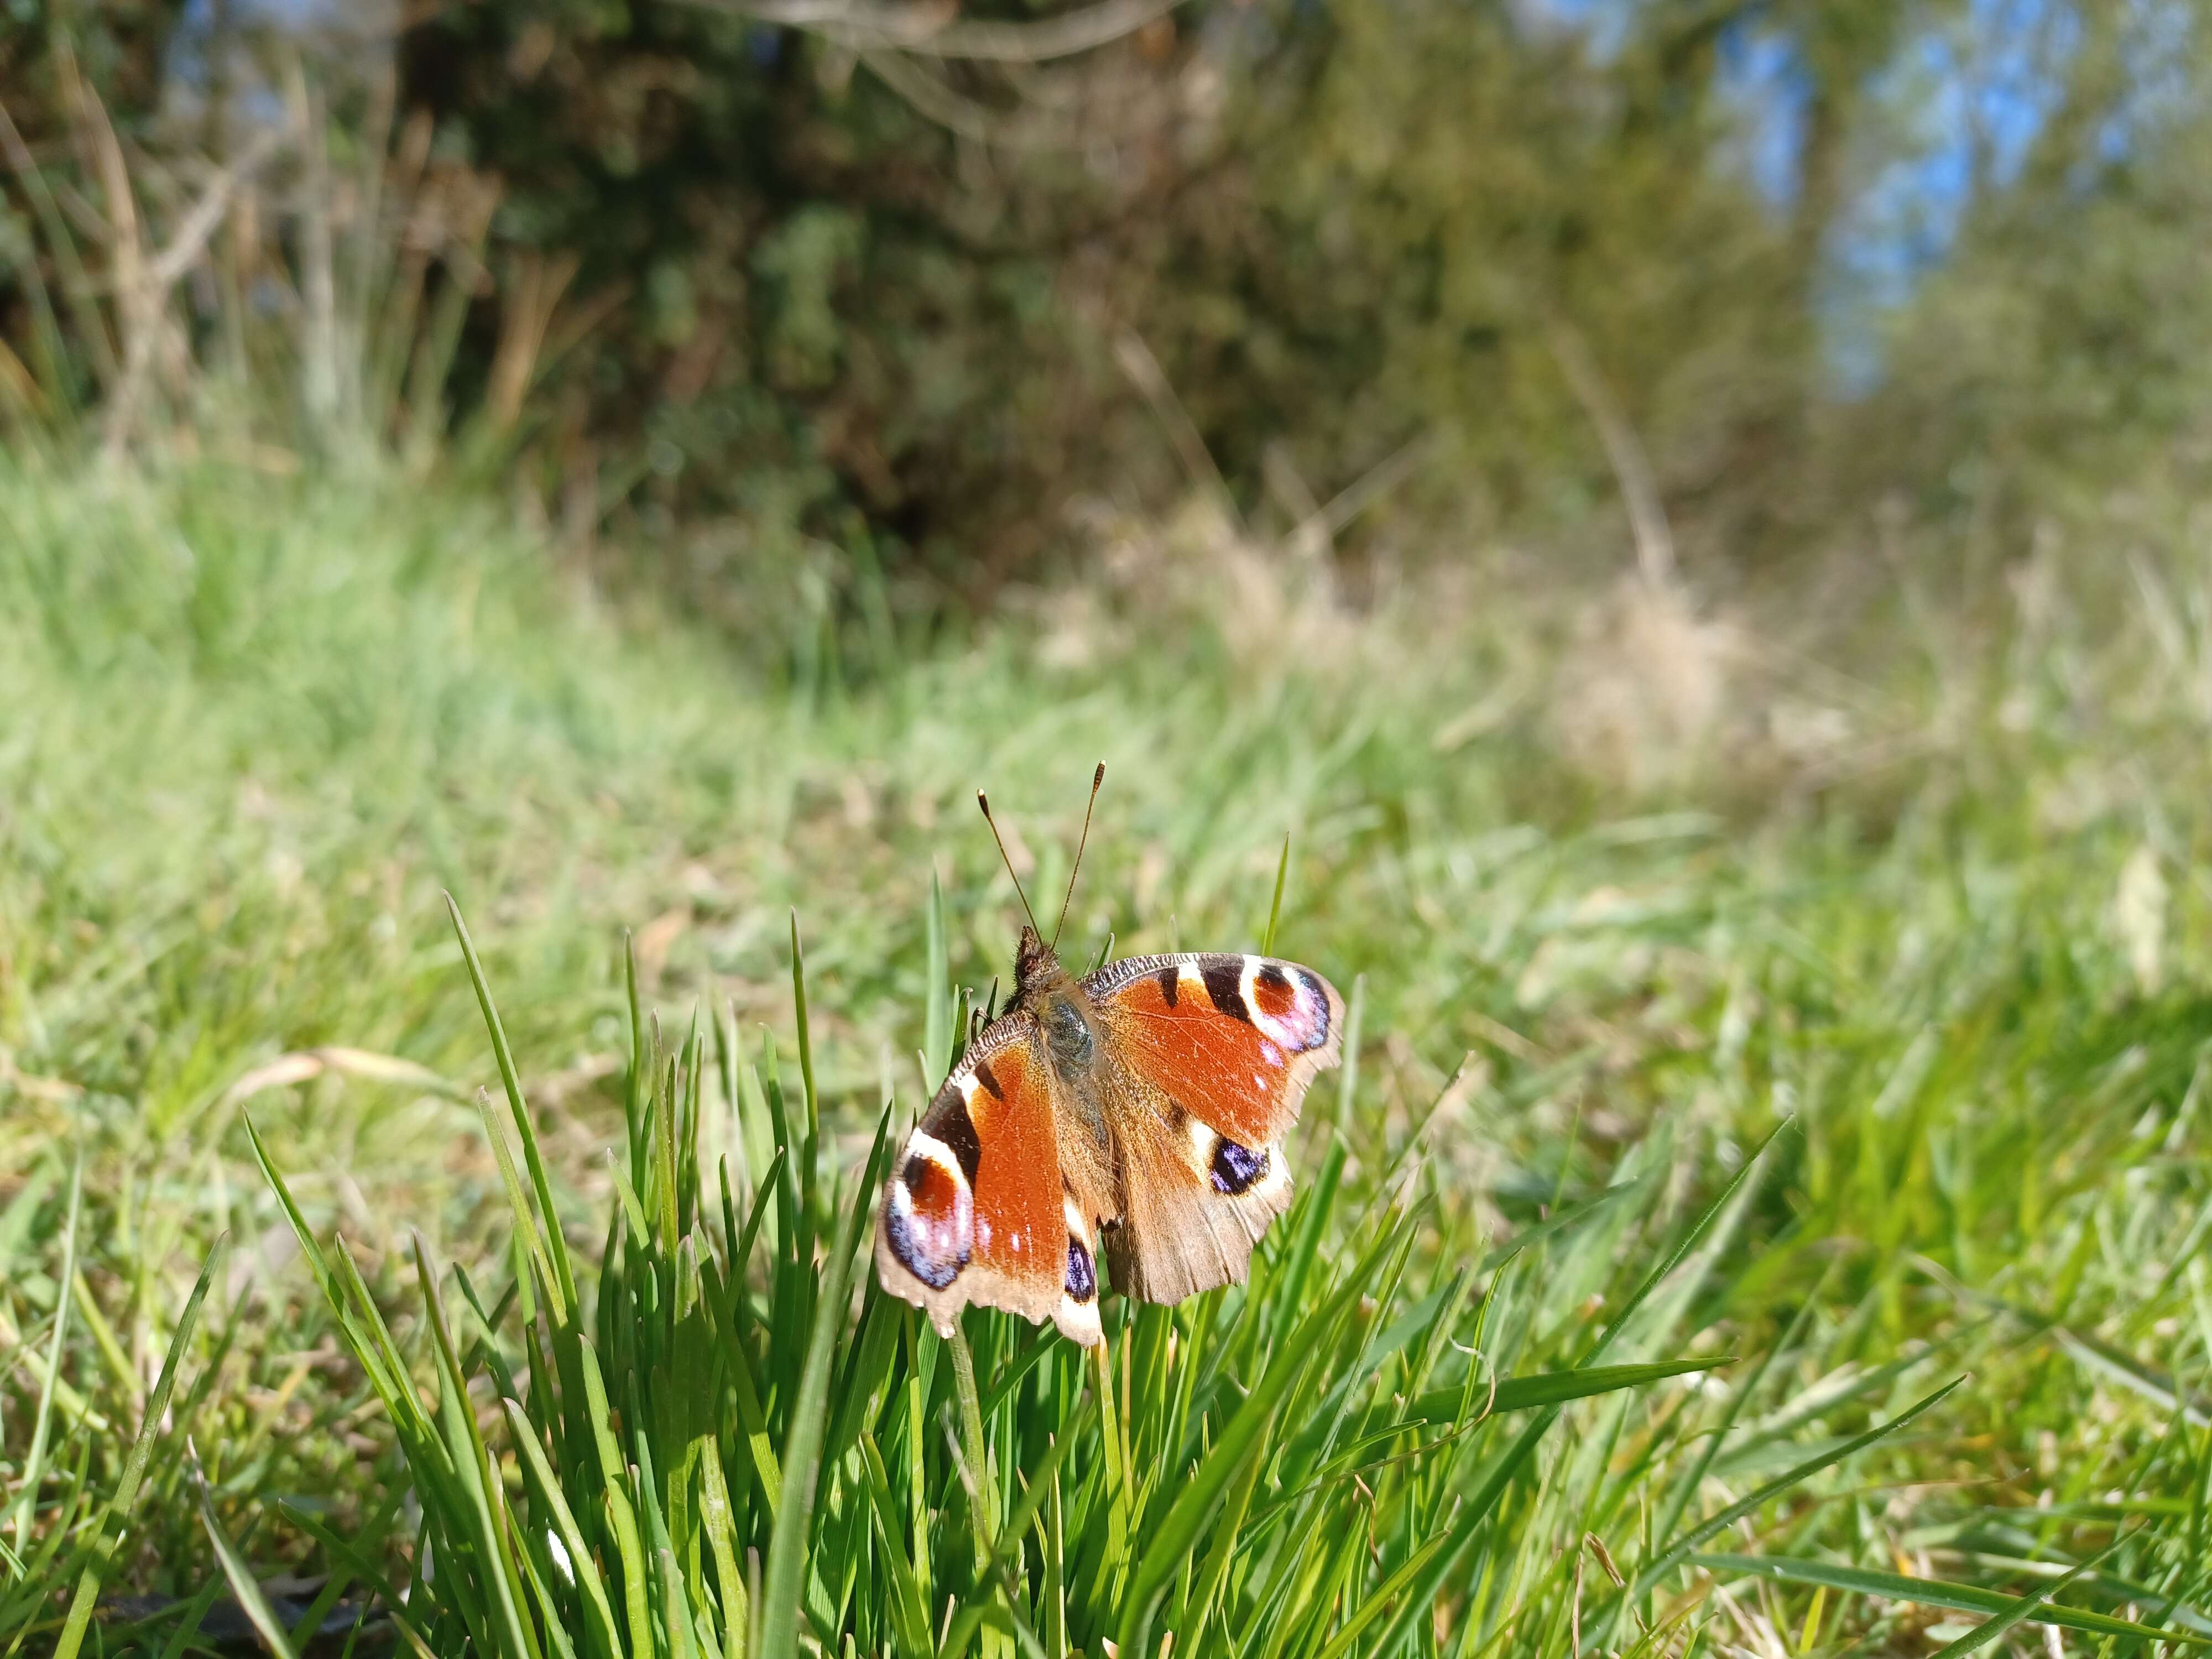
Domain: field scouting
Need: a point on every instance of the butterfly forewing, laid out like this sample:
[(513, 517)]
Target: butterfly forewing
[(976, 1210), (1235, 1039)]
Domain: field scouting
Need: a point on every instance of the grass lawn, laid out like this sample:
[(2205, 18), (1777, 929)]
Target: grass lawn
[(1766, 1212)]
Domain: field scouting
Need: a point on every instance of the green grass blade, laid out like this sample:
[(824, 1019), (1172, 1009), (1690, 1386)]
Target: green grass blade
[(1172, 1539), (341, 1578), (1991, 1629), (725, 1067), (909, 1618), (789, 1544), (545, 1489), (1215, 1572), (189, 1617), (973, 1449), (134, 1468), (1560, 1221), (806, 1038), (564, 1279), (621, 1513), (1520, 1394), (1314, 1209), (1676, 1553), (33, 1467), (1712, 1212), (1275, 905), (936, 993), (771, 1187), (1025, 1512), (1042, 1344), (243, 1587), (1485, 1500), (638, 1081), (753, 1423), (368, 1572), (714, 1504), (1053, 1545), (1693, 1477), (556, 1633), (1384, 1596), (526, 1234), (486, 1517), (1935, 1593)]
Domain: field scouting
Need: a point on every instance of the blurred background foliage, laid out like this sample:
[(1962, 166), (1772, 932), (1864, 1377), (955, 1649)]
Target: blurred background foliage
[(814, 294)]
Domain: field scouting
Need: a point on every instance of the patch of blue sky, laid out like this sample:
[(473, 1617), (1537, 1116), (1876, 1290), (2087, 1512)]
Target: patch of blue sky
[(1763, 84), (1962, 104), (2156, 48), (1961, 108), (351, 26), (1605, 24)]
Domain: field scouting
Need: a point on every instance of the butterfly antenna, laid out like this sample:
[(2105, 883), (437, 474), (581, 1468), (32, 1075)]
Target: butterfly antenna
[(1082, 841), (984, 801)]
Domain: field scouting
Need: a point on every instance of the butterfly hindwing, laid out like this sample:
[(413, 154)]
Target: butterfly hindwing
[(1215, 1051), (975, 1210)]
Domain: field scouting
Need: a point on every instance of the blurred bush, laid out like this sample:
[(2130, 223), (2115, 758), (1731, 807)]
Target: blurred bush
[(848, 309)]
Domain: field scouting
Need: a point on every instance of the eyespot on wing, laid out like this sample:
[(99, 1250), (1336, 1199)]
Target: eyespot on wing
[(929, 1212)]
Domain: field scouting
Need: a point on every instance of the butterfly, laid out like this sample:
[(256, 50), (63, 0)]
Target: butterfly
[(1138, 1111)]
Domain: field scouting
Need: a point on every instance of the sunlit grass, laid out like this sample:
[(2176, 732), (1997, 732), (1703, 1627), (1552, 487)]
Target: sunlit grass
[(1333, 1449), (258, 726)]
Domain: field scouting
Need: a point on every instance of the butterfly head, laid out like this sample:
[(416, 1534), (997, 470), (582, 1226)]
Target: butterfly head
[(1037, 971)]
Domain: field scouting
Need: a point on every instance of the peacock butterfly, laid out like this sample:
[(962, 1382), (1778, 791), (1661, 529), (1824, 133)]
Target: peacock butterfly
[(1139, 1109)]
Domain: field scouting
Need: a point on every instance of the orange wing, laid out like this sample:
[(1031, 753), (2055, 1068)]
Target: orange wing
[(1216, 1052), (976, 1209), (1234, 1040)]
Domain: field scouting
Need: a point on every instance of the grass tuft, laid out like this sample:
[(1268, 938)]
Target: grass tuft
[(1295, 1468)]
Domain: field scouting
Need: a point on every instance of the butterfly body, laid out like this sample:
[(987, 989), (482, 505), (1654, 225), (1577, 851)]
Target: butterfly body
[(1137, 1111)]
